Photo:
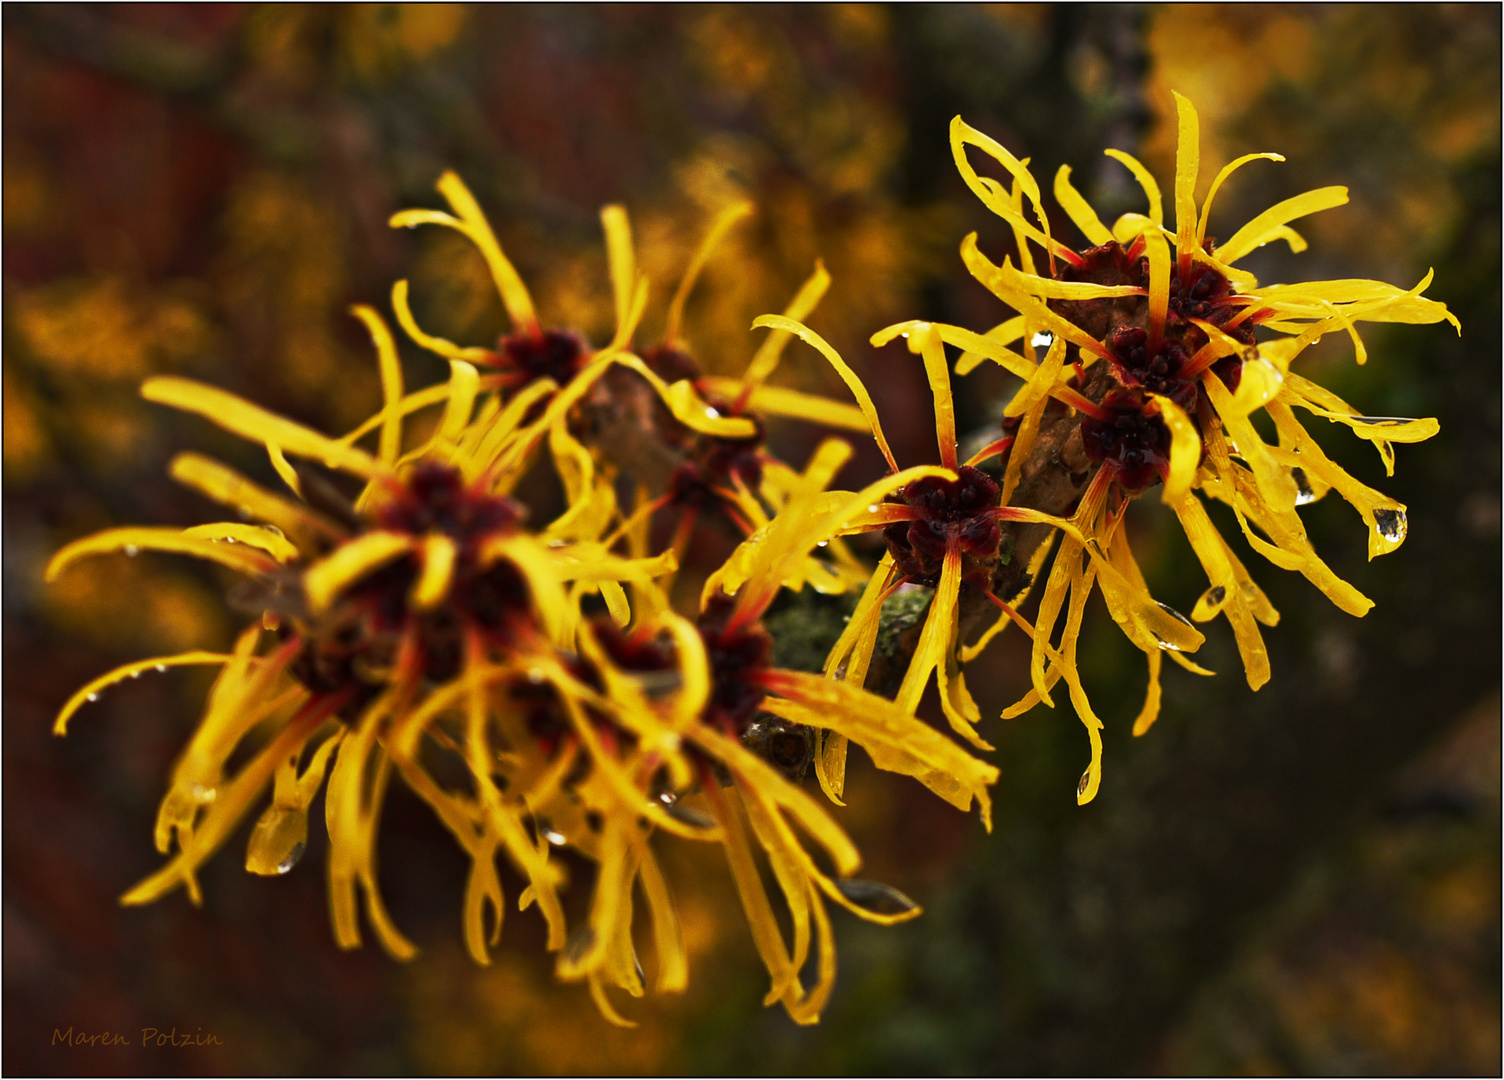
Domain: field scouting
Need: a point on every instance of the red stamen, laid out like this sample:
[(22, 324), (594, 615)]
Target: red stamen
[(888, 513), (1080, 402), (1205, 357), (740, 404), (1069, 256), (1250, 311), (319, 708), (992, 449), (682, 533)]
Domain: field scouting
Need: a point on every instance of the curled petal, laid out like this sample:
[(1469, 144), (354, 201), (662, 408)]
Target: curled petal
[(327, 578), (255, 423), (240, 557)]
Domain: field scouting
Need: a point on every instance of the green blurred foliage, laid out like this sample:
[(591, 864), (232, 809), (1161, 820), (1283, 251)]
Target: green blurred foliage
[(203, 190)]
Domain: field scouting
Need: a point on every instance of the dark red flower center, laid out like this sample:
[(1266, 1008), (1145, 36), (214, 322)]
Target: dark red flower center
[(544, 354), (712, 462), (1159, 373), (1134, 443), (1200, 293), (956, 511), (1109, 264), (737, 653), (356, 643)]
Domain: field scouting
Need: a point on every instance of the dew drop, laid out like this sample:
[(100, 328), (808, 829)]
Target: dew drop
[(161, 667), (230, 540), (135, 675), (1041, 340), (535, 676), (876, 897), (203, 794), (1168, 610), (688, 815), (1216, 594), (823, 543), (713, 413), (872, 509), (555, 838), (1391, 524), (1083, 783), (1303, 490), (132, 550), (94, 697), (578, 945), (292, 857), (1384, 421)]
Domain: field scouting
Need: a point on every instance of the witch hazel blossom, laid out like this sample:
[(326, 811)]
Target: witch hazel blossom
[(1165, 348), (531, 681), (422, 628)]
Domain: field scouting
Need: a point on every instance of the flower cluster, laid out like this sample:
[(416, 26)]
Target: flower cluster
[(531, 681)]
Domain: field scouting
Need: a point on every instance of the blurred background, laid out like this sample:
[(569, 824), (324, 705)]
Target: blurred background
[(1305, 880)]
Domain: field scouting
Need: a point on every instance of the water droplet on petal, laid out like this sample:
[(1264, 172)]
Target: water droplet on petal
[(1384, 421), (1303, 490), (230, 540), (872, 509), (823, 543), (876, 897), (161, 667), (94, 697), (135, 675), (535, 676), (688, 815), (203, 794), (1083, 783), (555, 838), (1168, 610), (712, 412), (1216, 594), (292, 858), (1391, 524), (132, 549), (578, 945), (1041, 340)]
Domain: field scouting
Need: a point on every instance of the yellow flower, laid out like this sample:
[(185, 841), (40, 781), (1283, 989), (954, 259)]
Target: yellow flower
[(532, 357), (1152, 339), (743, 682), (715, 474), (714, 434), (419, 629), (942, 527), (386, 619)]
